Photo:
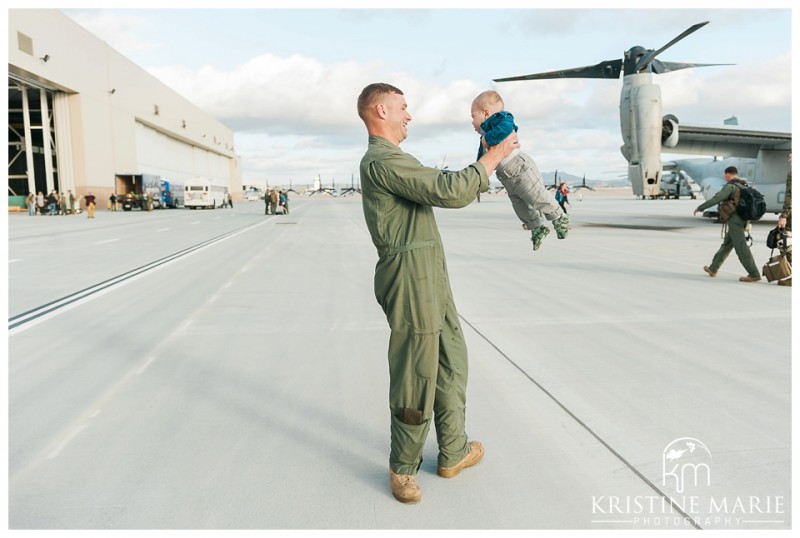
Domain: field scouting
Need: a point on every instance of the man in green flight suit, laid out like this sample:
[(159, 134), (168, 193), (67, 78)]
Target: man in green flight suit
[(735, 236), (427, 351)]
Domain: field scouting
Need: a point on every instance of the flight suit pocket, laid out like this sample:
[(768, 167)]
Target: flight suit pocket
[(513, 169), (420, 291)]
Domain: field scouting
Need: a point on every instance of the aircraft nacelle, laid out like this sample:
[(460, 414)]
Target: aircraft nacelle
[(669, 131), (641, 126)]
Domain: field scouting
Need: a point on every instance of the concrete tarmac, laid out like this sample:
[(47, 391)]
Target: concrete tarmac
[(227, 370)]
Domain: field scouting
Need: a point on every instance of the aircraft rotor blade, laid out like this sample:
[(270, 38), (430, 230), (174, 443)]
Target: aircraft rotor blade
[(607, 69), (660, 67), (642, 64)]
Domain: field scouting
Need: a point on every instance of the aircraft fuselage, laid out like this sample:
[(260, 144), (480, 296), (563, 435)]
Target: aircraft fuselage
[(767, 173)]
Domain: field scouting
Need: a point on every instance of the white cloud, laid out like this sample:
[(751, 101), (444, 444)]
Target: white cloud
[(757, 92), (119, 31), (294, 115)]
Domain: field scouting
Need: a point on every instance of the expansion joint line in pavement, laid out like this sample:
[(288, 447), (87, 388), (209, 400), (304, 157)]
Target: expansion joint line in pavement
[(586, 427), (48, 308)]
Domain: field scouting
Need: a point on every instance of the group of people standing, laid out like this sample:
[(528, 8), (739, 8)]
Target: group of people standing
[(55, 203), (273, 200), (131, 198)]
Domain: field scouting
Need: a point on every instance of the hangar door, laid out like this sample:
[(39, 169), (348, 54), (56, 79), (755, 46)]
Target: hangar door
[(175, 160), (32, 155)]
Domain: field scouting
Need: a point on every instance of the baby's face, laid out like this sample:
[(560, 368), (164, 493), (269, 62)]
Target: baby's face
[(478, 117)]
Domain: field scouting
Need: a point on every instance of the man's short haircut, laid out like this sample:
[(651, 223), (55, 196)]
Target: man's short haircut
[(732, 170), (371, 93), (489, 99)]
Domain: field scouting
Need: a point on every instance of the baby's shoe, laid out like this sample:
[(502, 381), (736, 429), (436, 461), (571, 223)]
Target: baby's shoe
[(561, 225), (538, 234)]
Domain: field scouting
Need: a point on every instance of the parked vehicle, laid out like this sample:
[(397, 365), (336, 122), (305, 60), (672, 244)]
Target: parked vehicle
[(678, 183), (141, 191), (204, 193), (130, 201), (158, 191)]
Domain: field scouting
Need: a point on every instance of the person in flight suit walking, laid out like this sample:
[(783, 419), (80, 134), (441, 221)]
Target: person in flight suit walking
[(735, 236)]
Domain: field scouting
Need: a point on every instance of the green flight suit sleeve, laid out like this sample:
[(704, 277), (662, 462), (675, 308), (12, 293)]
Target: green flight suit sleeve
[(787, 200), (725, 193), (402, 175)]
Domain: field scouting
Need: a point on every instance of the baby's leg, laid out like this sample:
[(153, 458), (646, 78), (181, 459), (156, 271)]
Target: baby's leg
[(527, 214), (521, 176)]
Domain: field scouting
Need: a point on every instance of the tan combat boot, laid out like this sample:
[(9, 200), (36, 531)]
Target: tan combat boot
[(404, 487), (473, 457)]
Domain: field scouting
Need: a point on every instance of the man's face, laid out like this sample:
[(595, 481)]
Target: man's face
[(397, 116), (728, 176)]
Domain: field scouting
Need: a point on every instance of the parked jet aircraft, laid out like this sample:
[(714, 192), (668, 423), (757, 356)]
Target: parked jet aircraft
[(319, 188), (645, 132), (572, 188), (582, 185)]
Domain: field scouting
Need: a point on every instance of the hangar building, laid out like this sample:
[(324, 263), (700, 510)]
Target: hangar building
[(82, 117)]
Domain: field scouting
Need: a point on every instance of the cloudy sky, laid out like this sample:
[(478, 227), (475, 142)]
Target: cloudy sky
[(286, 80)]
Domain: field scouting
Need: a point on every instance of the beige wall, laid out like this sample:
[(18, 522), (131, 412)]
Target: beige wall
[(103, 124)]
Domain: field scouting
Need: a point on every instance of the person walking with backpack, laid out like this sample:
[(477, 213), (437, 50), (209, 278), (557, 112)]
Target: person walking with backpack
[(734, 226)]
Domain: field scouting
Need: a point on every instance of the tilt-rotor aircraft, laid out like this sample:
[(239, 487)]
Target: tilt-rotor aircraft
[(760, 156)]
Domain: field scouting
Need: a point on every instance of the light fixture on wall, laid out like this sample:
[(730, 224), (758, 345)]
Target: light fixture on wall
[(155, 110), (112, 91), (45, 58)]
